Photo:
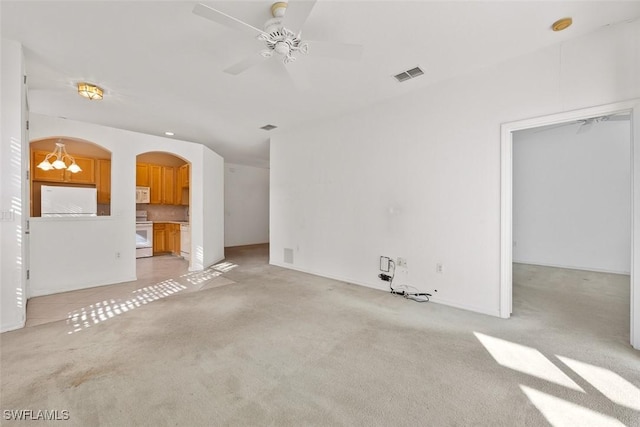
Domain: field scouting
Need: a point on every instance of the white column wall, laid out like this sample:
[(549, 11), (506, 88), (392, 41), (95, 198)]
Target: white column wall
[(12, 225), (213, 208), (88, 257)]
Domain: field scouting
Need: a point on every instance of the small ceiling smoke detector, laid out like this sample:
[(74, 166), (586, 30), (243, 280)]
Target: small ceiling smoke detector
[(409, 74), (562, 24), (268, 127)]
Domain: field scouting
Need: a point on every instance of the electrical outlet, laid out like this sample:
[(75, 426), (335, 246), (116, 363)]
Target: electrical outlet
[(402, 262), (117, 255), (439, 268), (384, 263)]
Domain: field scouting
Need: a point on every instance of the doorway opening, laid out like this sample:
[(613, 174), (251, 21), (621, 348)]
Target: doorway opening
[(585, 118), (162, 211)]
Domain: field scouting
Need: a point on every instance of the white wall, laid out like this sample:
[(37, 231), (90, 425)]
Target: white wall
[(213, 209), (246, 205), (12, 134), (419, 176), (87, 255), (572, 197)]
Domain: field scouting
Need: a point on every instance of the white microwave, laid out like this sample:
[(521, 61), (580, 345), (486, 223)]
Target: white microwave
[(143, 195)]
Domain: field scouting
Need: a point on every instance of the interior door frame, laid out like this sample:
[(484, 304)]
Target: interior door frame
[(506, 200)]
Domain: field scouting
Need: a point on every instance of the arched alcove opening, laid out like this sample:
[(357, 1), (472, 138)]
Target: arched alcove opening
[(93, 171), (162, 205)]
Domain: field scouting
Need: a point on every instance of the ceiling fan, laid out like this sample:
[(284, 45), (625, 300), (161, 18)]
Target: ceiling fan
[(587, 124), (278, 39)]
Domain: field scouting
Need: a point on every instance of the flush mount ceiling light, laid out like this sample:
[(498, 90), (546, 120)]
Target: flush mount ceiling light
[(562, 24), (169, 133), (60, 162), (90, 91), (268, 127)]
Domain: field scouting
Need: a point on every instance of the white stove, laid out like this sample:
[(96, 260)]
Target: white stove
[(144, 235)]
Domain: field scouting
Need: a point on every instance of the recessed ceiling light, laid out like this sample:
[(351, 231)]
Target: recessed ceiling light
[(169, 133), (562, 24), (268, 127)]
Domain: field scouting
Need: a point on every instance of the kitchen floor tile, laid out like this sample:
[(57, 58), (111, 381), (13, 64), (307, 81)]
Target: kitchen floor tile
[(156, 277)]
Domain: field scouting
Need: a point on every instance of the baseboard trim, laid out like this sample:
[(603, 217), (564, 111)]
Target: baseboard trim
[(13, 326), (435, 299), (33, 293), (570, 267)]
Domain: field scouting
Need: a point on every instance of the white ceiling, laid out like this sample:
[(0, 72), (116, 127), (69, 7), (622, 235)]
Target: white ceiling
[(161, 65)]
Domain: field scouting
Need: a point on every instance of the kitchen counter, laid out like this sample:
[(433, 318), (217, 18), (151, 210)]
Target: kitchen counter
[(170, 222)]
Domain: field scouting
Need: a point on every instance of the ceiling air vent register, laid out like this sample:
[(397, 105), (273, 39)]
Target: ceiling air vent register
[(409, 74)]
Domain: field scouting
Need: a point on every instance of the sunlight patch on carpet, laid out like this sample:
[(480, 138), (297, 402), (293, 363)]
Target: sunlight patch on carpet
[(102, 311), (612, 385), (561, 413), (526, 360)]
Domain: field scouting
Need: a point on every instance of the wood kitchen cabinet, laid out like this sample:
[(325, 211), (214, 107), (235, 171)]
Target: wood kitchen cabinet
[(159, 238), (183, 176), (103, 181), (162, 181), (173, 238), (182, 185), (162, 184), (166, 238), (168, 185), (155, 183), (86, 176), (142, 175)]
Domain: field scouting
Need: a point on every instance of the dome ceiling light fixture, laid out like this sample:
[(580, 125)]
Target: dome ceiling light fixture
[(90, 91), (562, 24)]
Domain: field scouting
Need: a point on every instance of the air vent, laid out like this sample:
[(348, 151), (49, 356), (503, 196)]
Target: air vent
[(268, 127), (288, 255), (409, 74)]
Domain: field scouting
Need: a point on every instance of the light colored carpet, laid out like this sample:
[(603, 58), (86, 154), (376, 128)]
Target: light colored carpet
[(285, 348)]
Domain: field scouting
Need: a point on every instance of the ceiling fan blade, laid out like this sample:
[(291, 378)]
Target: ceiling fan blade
[(298, 79), (224, 19), (245, 64), (348, 52), (297, 13)]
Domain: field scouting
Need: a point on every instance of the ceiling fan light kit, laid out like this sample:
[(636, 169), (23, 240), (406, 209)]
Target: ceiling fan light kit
[(283, 42), (277, 37)]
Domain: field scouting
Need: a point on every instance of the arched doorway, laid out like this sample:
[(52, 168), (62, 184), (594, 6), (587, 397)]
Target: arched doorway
[(85, 164), (162, 206)]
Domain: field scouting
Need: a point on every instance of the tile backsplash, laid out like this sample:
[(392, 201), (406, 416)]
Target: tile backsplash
[(164, 212)]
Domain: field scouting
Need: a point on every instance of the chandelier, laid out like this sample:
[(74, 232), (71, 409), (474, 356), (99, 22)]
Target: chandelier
[(60, 162)]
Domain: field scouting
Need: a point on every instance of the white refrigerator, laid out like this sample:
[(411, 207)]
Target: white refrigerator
[(68, 201)]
